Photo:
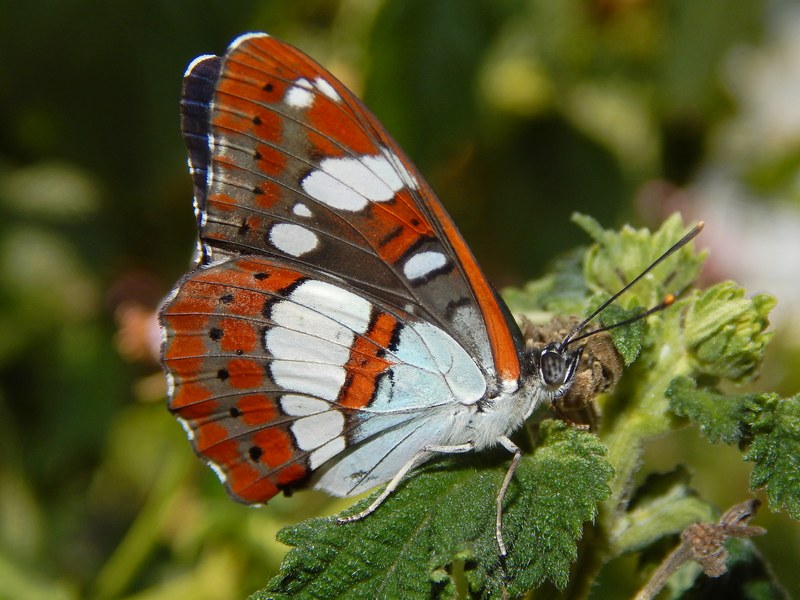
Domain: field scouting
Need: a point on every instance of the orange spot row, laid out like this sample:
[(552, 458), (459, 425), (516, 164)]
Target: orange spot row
[(195, 301), (291, 474), (188, 397), (221, 203), (245, 481), (212, 439), (257, 409), (237, 112), (245, 373), (276, 445), (272, 161), (237, 335), (246, 303)]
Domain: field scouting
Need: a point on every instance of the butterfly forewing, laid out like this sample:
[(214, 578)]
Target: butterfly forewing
[(300, 170)]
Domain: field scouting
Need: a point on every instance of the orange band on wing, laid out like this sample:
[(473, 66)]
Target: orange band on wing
[(367, 362)]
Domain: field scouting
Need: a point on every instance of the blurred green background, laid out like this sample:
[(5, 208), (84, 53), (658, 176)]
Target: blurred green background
[(518, 111)]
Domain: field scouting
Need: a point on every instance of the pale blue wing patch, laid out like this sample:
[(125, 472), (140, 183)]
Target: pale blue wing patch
[(380, 457)]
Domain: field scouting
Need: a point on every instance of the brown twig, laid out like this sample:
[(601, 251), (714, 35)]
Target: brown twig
[(705, 544)]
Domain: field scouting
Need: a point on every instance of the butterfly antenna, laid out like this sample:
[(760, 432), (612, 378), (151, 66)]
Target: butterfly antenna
[(668, 300)]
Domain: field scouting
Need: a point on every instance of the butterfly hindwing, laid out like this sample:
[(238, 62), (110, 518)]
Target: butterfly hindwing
[(278, 372), (299, 170)]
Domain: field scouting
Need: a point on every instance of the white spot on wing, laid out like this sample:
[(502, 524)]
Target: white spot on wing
[(338, 304), (312, 338), (314, 431), (327, 89), (299, 97), (422, 264), (329, 450), (398, 165), (170, 385), (327, 189), (301, 210), (292, 239), (301, 406), (322, 381), (384, 170), (290, 344), (351, 183)]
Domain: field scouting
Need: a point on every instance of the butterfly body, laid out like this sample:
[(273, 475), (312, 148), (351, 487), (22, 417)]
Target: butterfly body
[(336, 330)]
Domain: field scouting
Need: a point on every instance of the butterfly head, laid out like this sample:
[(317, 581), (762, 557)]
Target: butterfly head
[(556, 367)]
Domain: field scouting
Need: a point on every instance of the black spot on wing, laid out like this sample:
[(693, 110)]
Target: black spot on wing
[(255, 453), (390, 236)]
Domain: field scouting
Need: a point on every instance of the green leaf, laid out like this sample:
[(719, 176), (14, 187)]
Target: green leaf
[(721, 418), (443, 515), (618, 257), (725, 332), (628, 339), (767, 426), (615, 259), (663, 505), (776, 452)]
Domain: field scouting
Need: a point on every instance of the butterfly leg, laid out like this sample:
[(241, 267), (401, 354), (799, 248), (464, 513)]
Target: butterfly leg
[(501, 494), (392, 485)]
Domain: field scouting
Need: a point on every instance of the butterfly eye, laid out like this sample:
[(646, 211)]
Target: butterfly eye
[(557, 368)]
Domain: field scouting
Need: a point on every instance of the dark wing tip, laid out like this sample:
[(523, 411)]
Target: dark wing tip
[(199, 85)]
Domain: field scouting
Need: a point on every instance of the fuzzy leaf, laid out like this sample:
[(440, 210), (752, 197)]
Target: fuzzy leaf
[(614, 260), (618, 257), (776, 452), (766, 425), (721, 418), (725, 331), (444, 514), (628, 339)]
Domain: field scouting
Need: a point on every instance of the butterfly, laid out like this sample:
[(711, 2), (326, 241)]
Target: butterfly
[(336, 331)]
